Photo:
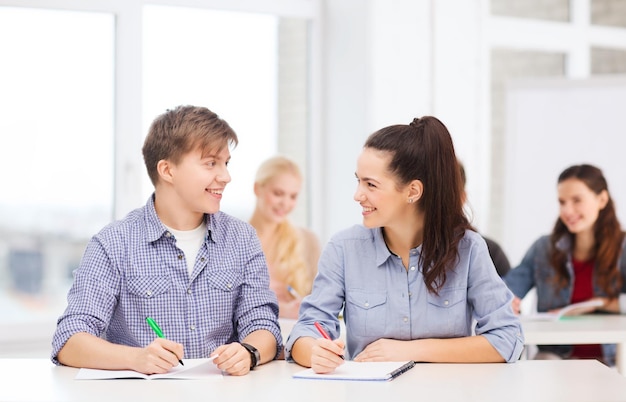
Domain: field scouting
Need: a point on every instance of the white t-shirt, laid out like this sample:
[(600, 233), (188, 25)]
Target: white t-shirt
[(190, 242)]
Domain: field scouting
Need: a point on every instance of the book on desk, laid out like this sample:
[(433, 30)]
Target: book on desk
[(569, 310)]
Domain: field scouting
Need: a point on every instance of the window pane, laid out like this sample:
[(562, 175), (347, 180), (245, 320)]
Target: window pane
[(608, 12), (226, 61), (56, 141), (507, 65), (552, 10), (293, 104), (608, 61)]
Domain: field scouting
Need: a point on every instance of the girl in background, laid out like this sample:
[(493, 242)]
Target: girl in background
[(291, 252), (581, 260)]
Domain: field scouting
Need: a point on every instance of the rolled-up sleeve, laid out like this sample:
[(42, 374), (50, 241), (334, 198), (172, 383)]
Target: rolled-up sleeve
[(325, 301), (491, 300), (91, 299), (258, 307)]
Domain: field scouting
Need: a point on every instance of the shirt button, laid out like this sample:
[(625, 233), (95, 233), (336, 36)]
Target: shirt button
[(413, 252), (149, 293), (202, 259), (412, 268), (229, 285), (168, 234), (366, 304), (405, 319), (192, 327), (410, 294), (188, 291), (180, 257), (445, 303)]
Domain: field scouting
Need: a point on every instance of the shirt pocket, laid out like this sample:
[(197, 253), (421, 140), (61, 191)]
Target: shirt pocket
[(148, 296), (226, 281), (224, 289), (366, 312), (448, 312), (149, 287)]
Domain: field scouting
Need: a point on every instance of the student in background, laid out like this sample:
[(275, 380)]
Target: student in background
[(414, 276), (291, 252), (499, 258), (582, 259), (199, 273)]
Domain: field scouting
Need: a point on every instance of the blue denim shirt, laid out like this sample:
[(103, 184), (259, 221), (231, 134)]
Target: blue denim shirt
[(132, 269), (536, 271), (384, 300)]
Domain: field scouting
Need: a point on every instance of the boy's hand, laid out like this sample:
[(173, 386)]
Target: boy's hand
[(232, 358), (158, 357)]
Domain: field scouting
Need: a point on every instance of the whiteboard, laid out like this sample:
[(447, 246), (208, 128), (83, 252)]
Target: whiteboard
[(549, 126)]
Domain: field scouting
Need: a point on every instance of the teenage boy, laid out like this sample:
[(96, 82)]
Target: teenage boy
[(197, 272)]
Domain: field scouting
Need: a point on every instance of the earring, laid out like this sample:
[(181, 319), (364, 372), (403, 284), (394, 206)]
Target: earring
[(410, 200)]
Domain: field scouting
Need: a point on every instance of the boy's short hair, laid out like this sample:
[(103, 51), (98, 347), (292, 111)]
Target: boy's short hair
[(181, 130)]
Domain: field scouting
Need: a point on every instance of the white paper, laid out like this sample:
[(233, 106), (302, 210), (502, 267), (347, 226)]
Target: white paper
[(194, 369), (362, 371)]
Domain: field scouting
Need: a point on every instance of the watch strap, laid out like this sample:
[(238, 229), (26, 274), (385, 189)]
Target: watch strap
[(255, 356)]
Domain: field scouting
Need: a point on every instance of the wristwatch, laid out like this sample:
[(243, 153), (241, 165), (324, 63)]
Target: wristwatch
[(255, 356)]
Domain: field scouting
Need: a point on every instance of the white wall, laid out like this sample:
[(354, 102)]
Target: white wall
[(383, 60), (344, 92)]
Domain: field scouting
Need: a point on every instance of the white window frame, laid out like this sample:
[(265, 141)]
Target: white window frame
[(574, 38), (129, 170), (128, 135)]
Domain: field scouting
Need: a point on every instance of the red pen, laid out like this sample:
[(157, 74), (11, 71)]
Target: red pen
[(321, 330)]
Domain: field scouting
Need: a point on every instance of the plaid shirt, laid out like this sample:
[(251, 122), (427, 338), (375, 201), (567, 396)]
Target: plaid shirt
[(132, 269)]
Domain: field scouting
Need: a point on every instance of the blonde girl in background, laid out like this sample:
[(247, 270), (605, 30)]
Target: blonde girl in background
[(291, 251)]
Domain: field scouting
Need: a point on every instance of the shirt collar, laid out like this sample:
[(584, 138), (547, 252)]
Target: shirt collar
[(382, 251), (155, 229)]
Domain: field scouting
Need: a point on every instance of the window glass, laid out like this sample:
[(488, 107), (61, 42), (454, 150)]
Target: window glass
[(507, 65), (608, 12), (608, 61), (56, 146), (552, 10)]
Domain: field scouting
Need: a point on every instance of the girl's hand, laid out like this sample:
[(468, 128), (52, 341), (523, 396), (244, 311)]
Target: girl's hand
[(609, 305), (326, 355), (383, 350), (289, 309), (516, 304)]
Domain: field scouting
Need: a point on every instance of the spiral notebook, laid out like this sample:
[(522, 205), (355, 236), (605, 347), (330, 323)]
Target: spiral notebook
[(361, 371)]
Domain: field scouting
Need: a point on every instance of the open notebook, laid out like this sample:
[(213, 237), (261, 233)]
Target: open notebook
[(194, 369), (361, 371), (572, 309)]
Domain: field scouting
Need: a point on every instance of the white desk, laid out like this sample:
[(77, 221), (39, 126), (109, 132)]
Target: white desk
[(528, 380), (585, 329)]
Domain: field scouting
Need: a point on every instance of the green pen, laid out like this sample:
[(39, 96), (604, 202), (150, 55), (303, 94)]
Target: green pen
[(158, 332)]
